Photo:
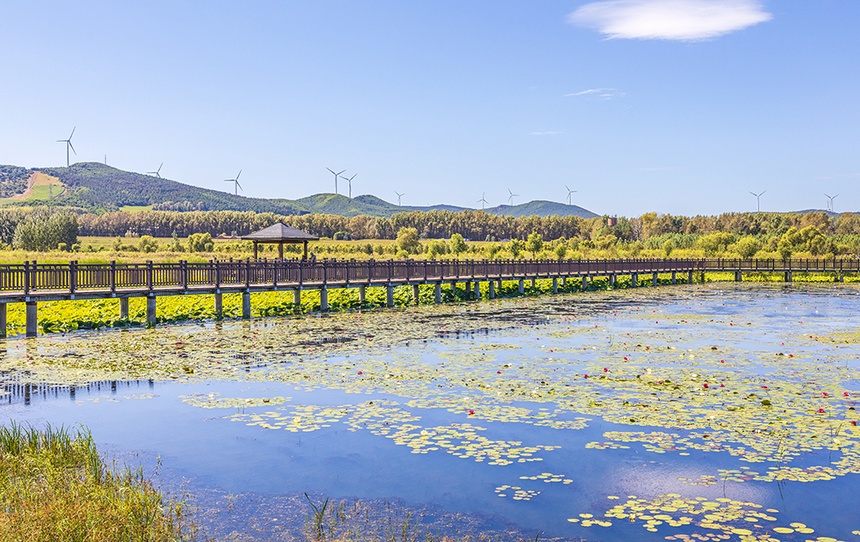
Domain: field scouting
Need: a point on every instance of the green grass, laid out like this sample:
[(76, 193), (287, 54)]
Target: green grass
[(135, 208), (54, 486)]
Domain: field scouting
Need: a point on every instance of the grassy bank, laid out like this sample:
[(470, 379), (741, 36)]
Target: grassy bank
[(54, 486)]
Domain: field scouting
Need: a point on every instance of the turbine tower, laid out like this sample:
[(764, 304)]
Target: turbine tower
[(157, 172), (830, 201), (336, 175), (349, 183), (399, 195), (569, 194), (511, 197), (758, 200), (69, 145), (483, 200), (235, 182)]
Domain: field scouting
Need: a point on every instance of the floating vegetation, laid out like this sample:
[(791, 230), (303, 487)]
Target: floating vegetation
[(212, 400)]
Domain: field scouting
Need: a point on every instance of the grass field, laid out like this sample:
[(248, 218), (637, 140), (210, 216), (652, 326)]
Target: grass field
[(42, 188)]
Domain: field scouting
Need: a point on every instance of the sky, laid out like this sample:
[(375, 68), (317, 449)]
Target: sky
[(673, 106)]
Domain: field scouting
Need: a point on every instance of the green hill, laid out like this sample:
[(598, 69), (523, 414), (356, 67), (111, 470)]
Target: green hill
[(541, 208), (98, 187)]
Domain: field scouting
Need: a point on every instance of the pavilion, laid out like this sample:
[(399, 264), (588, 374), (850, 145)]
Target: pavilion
[(280, 234)]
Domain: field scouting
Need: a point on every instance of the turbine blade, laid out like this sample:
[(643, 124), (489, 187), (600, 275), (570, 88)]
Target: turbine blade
[(237, 176), (72, 146), (340, 172), (328, 168), (240, 186), (73, 132)]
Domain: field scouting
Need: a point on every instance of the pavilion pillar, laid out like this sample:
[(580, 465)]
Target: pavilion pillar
[(437, 297), (150, 310), (415, 293), (255, 250), (281, 251), (389, 296), (305, 243), (219, 305), (123, 308), (246, 305), (323, 299), (2, 320), (362, 295)]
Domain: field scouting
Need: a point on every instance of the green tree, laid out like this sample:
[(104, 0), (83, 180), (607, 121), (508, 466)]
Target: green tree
[(516, 246), (457, 245), (407, 240), (46, 230), (200, 242), (747, 247), (534, 243), (147, 243)]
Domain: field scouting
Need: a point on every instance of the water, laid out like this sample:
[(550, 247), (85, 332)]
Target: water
[(415, 407)]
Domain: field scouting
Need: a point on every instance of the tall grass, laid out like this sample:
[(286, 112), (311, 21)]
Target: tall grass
[(54, 486)]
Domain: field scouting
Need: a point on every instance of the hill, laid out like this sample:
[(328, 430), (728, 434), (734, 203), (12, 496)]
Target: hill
[(98, 188), (541, 208)]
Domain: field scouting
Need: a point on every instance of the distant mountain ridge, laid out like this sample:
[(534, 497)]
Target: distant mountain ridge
[(99, 188)]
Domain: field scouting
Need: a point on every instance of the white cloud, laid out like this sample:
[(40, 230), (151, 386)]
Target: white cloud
[(682, 20), (545, 133), (602, 93)]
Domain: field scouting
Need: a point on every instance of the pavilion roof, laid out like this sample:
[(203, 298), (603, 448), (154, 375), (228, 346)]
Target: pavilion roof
[(277, 233)]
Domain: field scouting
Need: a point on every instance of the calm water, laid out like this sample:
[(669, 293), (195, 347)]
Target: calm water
[(673, 405)]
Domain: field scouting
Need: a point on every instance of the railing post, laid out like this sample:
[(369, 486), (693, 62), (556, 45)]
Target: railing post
[(183, 274), (73, 276), (247, 273), (112, 276), (149, 275), (26, 277)]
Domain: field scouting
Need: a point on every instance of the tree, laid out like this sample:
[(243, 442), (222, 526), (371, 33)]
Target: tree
[(516, 246), (200, 242), (46, 230), (407, 240), (534, 243), (747, 247), (457, 245), (147, 243)]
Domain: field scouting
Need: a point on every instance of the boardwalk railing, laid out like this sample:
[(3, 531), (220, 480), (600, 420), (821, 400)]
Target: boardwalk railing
[(31, 278)]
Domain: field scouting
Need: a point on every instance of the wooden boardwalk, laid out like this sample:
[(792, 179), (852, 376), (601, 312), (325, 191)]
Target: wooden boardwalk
[(32, 282)]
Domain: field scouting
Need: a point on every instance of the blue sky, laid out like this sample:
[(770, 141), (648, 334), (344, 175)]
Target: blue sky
[(675, 106)]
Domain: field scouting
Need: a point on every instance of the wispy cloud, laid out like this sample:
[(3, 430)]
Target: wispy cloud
[(545, 133), (681, 20), (601, 93)]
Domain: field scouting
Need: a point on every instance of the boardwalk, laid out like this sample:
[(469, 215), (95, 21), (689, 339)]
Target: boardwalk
[(32, 282)]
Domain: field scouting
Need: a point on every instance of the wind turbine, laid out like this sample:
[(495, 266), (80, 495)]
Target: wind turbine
[(399, 195), (830, 203), (512, 196), (349, 182), (157, 172), (336, 175), (483, 200), (69, 145), (235, 182), (569, 193), (758, 200)]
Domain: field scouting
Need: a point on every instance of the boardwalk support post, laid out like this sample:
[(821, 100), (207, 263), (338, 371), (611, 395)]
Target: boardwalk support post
[(634, 280), (297, 297), (415, 293), (788, 276), (150, 310), (674, 276), (2, 320), (123, 308), (246, 305), (477, 290), (31, 319), (491, 290), (655, 280), (690, 276), (362, 295), (323, 299), (389, 296), (219, 305), (555, 285), (612, 280), (738, 276), (521, 287), (584, 282)]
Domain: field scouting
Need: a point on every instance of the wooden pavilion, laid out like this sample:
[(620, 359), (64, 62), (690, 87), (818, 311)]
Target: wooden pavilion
[(280, 234)]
